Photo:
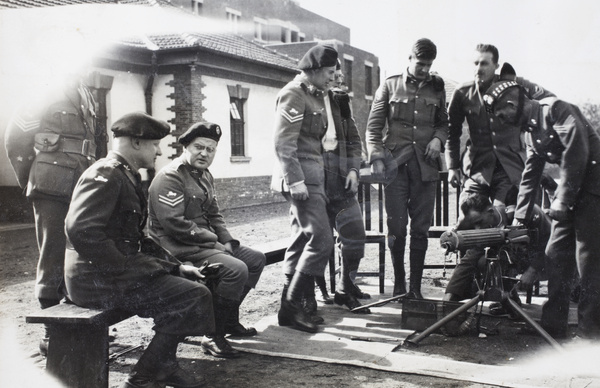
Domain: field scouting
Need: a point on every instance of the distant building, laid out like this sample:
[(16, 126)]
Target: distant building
[(229, 77)]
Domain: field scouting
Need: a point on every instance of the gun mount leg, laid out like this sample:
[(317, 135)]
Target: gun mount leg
[(518, 310), (414, 342)]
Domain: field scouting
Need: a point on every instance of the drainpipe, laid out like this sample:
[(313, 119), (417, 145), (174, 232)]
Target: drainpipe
[(150, 84)]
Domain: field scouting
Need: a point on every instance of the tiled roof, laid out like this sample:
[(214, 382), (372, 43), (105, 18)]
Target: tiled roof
[(12, 4), (228, 44)]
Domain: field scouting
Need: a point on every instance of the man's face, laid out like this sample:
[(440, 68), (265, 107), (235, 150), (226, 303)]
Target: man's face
[(323, 77), (485, 68), (419, 68), (339, 78), (149, 151), (505, 109), (482, 220), (200, 153)]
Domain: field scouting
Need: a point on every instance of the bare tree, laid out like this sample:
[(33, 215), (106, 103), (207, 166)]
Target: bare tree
[(592, 112)]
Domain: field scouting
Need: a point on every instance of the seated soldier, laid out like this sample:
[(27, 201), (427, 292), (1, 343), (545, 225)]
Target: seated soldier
[(185, 219), (479, 213), (105, 269)]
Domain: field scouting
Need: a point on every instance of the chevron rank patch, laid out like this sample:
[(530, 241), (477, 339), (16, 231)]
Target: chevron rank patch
[(171, 199), (291, 114), (26, 122)]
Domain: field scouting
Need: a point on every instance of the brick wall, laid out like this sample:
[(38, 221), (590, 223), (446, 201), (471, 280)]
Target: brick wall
[(235, 193)]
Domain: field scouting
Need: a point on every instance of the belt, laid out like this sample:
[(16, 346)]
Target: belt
[(83, 147)]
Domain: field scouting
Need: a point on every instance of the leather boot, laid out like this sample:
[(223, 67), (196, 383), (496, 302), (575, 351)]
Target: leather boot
[(233, 327), (397, 253), (417, 262), (345, 296), (309, 303), (216, 344), (291, 312), (325, 298), (355, 290)]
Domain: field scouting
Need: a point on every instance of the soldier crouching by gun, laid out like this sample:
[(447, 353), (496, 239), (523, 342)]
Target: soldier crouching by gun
[(479, 213)]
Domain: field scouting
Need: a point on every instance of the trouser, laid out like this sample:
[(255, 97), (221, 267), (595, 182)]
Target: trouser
[(575, 244), (312, 239), (237, 272), (50, 231), (500, 188), (408, 196), (345, 217), (461, 281)]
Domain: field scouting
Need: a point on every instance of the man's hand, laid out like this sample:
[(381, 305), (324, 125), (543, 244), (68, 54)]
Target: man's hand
[(559, 211), (378, 170), (229, 247), (299, 192), (190, 272), (529, 277), (433, 150), (352, 182), (454, 177)]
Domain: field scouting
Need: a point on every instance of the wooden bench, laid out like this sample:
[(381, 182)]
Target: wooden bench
[(78, 346)]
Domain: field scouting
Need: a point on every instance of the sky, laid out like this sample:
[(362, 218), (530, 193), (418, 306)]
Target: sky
[(553, 43)]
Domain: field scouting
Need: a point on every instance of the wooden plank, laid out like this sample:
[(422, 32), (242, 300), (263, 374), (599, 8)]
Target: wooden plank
[(274, 250), (68, 313)]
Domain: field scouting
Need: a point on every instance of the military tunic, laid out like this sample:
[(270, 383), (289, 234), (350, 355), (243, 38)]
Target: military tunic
[(104, 266), (415, 114), (49, 145), (558, 133), (495, 152), (300, 124), (184, 218)]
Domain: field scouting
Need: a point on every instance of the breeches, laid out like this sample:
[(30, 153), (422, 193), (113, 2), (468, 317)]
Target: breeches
[(50, 231), (346, 218), (312, 237), (409, 196)]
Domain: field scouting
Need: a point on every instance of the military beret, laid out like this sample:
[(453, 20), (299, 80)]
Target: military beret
[(318, 56), (424, 48), (495, 91), (200, 129), (140, 125)]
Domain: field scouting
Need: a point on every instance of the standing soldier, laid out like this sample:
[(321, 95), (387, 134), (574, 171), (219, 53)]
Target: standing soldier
[(495, 154), (413, 105), (558, 133), (300, 126), (49, 147)]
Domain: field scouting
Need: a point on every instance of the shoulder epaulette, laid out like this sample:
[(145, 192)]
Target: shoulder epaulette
[(438, 83)]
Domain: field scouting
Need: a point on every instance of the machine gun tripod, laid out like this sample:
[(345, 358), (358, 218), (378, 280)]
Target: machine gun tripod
[(492, 287)]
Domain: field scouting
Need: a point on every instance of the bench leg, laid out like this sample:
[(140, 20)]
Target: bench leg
[(78, 355), (381, 267)]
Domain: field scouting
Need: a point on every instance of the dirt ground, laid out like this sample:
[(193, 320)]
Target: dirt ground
[(254, 225)]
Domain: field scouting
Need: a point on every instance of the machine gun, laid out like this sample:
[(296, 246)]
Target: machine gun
[(507, 244)]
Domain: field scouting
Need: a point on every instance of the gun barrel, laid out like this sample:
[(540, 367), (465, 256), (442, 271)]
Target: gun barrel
[(465, 239)]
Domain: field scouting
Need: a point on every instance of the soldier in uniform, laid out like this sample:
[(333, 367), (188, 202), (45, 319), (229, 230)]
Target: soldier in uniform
[(184, 218), (342, 157), (558, 133), (413, 105), (107, 264), (495, 153), (49, 145), (300, 125)]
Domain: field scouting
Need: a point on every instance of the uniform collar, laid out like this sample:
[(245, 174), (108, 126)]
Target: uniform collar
[(312, 89), (410, 79), (121, 158)]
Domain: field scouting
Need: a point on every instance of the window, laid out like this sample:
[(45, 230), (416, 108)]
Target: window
[(237, 100), (197, 7), (368, 79), (348, 73), (261, 31), (233, 18)]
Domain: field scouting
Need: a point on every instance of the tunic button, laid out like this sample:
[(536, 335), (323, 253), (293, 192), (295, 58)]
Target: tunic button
[(416, 112), (593, 162), (415, 127), (494, 133), (55, 162), (549, 153), (495, 147), (491, 120), (551, 136), (538, 140), (414, 142)]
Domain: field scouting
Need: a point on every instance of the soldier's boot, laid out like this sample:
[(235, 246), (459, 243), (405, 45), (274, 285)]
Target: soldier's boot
[(324, 298), (345, 296), (216, 344), (233, 327), (309, 303), (291, 312), (158, 366), (397, 253), (43, 345), (417, 262)]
